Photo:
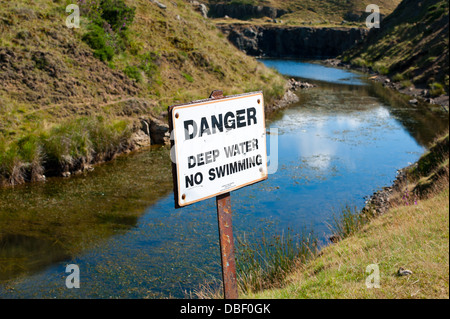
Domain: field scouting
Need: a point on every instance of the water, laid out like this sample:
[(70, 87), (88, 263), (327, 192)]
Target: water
[(339, 144), (314, 71)]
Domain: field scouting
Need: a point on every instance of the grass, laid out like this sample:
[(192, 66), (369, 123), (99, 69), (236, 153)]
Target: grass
[(412, 236), (265, 263), (64, 147)]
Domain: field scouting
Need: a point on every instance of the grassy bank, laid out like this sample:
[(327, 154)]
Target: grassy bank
[(63, 148), (413, 234), (411, 46), (414, 237)]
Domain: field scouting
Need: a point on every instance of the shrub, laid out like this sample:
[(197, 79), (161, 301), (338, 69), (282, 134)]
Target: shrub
[(406, 84), (348, 221), (107, 31), (359, 62), (107, 139), (30, 151), (133, 73), (381, 68), (149, 63), (66, 144), (117, 14), (97, 39)]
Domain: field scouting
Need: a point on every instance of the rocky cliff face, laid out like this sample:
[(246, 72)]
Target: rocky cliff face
[(243, 11), (294, 42)]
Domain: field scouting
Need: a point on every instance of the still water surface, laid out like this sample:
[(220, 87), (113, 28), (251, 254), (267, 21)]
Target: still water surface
[(344, 140)]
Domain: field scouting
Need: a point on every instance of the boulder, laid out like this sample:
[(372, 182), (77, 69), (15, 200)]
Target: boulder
[(159, 132)]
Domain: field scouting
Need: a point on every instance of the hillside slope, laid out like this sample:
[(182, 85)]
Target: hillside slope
[(179, 55), (411, 46), (128, 58), (301, 11)]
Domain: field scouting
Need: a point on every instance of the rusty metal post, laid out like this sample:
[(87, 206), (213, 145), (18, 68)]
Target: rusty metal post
[(230, 288), (223, 203)]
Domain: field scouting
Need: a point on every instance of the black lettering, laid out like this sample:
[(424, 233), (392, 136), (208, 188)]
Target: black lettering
[(208, 156), (215, 155), (220, 171), (251, 161), (191, 162), (241, 166), (189, 136), (229, 150), (216, 123), (258, 160), (255, 144), (204, 127), (233, 168), (198, 178), (251, 115), (230, 125), (200, 159), (189, 181), (240, 119), (212, 174)]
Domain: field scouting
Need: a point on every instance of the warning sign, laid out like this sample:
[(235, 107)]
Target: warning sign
[(219, 145)]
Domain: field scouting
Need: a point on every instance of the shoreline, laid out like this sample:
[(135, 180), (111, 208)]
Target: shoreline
[(415, 92), (146, 131)]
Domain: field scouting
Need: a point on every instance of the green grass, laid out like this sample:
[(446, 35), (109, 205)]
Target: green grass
[(63, 147), (265, 263)]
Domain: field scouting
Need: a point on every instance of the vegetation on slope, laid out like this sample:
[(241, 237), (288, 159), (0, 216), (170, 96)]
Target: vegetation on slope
[(412, 235), (411, 46), (129, 58), (328, 12)]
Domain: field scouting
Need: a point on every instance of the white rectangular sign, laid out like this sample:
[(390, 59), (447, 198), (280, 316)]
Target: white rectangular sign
[(218, 146)]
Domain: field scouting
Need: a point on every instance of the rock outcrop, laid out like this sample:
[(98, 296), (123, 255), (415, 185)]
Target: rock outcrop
[(152, 132), (294, 42)]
